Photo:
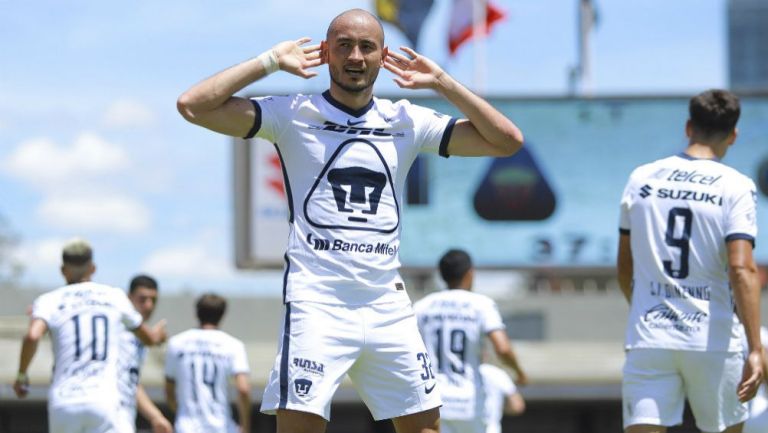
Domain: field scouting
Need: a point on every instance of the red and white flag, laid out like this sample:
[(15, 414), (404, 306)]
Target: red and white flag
[(463, 21)]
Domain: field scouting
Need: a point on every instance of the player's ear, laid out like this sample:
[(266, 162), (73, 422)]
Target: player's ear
[(384, 54), (688, 129), (732, 136), (324, 51)]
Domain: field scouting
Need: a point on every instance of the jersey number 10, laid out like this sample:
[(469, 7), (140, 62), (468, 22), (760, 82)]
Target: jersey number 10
[(99, 336)]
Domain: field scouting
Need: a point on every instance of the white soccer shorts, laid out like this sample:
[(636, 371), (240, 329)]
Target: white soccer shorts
[(125, 420), (379, 346), (657, 381), (83, 418)]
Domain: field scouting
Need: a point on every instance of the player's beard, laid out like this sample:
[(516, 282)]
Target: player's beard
[(357, 87)]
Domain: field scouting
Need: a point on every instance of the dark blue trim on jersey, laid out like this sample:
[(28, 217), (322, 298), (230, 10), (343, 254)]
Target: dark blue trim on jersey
[(623, 231), (743, 236), (256, 120), (284, 358), (351, 111), (285, 275), (288, 193), (693, 158), (446, 138)]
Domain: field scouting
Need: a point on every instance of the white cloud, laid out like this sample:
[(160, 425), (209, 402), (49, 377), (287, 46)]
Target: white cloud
[(111, 213), (125, 113), (41, 254), (188, 261), (45, 163)]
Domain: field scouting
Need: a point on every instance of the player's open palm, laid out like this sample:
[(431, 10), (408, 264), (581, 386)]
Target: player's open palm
[(752, 377), (297, 59), (413, 71)]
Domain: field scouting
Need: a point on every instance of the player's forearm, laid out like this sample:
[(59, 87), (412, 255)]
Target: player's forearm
[(28, 350), (509, 359), (244, 410), (214, 91), (625, 283), (746, 293), (170, 395), (146, 406), (496, 128), (625, 267)]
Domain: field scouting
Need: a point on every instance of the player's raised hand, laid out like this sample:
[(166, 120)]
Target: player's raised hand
[(751, 377), (160, 332), (413, 71), (295, 58)]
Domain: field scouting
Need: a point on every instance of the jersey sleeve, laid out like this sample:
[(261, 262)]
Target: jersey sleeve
[(491, 317), (432, 130), (171, 359), (43, 309), (741, 221), (128, 315), (624, 206), (272, 113), (239, 359)]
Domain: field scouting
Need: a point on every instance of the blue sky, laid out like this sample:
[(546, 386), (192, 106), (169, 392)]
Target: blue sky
[(91, 144)]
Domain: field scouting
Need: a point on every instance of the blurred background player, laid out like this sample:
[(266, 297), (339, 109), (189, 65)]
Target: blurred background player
[(501, 397), (454, 324), (198, 366), (687, 229), (345, 156), (758, 406), (85, 320), (142, 292)]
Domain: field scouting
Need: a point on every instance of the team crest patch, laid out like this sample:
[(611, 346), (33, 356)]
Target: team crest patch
[(354, 191), (302, 386)]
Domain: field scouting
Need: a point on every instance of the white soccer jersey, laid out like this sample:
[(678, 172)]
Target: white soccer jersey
[(497, 386), (132, 355), (85, 321), (680, 212), (201, 362), (454, 324), (344, 175)]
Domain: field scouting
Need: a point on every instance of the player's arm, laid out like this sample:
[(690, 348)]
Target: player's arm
[(514, 404), (506, 355), (36, 331), (485, 131), (151, 413), (624, 265), (170, 393), (212, 104), (243, 386), (742, 273), (151, 336)]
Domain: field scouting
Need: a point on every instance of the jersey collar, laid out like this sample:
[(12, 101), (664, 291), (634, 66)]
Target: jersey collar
[(692, 158), (352, 112)]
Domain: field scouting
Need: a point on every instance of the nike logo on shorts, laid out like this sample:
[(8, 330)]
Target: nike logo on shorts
[(428, 390), (350, 123)]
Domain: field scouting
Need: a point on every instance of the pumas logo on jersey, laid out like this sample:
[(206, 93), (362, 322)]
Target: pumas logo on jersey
[(381, 248), (302, 386), (350, 129), (645, 191), (354, 191)]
